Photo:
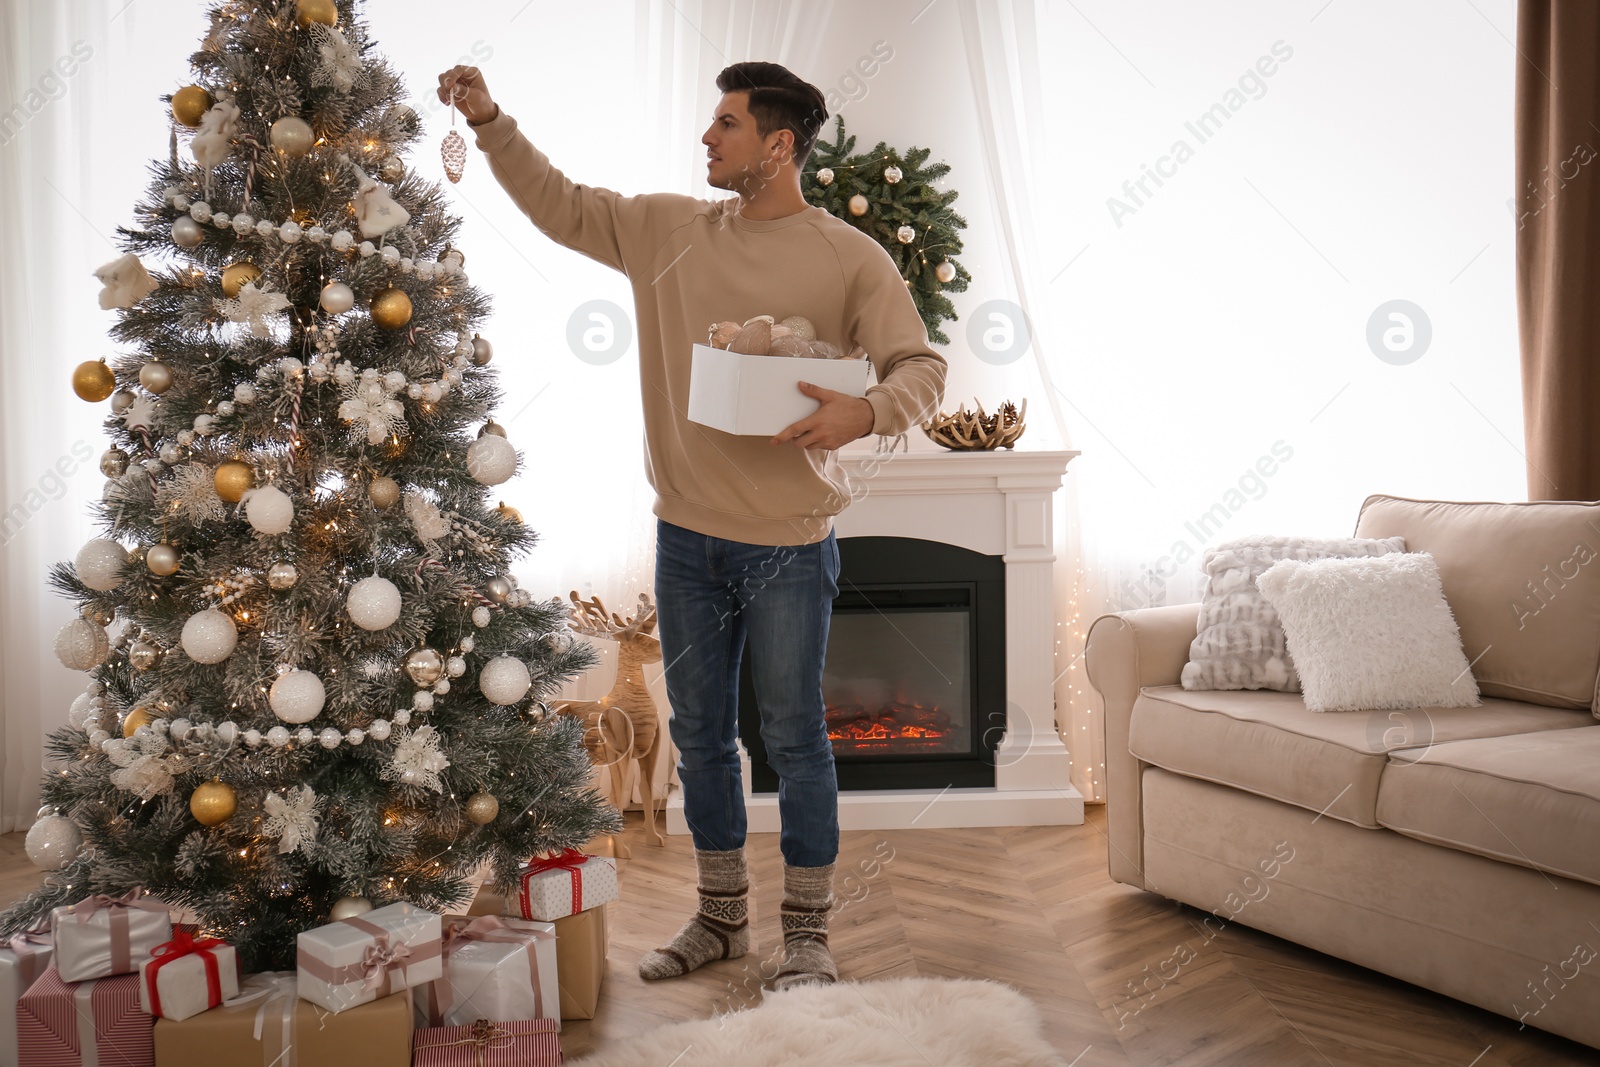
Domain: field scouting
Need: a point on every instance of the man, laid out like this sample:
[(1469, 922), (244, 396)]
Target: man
[(745, 548)]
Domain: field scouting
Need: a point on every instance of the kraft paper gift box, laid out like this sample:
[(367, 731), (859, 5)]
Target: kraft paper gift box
[(100, 936), (79, 1024), (186, 976), (526, 1043), (357, 960), (742, 394), (496, 968), (569, 882), (270, 1026), (23, 958)]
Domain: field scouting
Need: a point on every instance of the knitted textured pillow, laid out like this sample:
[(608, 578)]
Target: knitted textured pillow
[(1240, 642), (1371, 633)]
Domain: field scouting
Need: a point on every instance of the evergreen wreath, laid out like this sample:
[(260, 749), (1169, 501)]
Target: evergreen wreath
[(903, 209)]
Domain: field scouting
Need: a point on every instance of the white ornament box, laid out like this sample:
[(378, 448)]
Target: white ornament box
[(357, 960), (760, 395), (562, 885), (495, 967)]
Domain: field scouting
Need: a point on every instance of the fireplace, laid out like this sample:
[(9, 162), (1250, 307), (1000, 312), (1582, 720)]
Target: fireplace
[(914, 683), (957, 551)]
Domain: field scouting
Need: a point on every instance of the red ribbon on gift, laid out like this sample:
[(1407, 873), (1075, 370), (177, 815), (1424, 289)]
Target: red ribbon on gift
[(181, 945), (571, 859)]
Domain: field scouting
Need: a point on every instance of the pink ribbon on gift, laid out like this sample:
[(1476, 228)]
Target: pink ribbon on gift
[(381, 959), (25, 945), (485, 928), (117, 909), (570, 859)]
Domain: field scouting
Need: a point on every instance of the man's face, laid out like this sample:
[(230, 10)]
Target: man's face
[(737, 157)]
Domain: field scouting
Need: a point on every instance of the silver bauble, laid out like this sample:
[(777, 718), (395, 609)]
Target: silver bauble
[(492, 427), (156, 376), (892, 175), (143, 655), (122, 400), (162, 560), (498, 589), (392, 169), (424, 666), (482, 350), (282, 575), (337, 298), (113, 462), (292, 136), (187, 233)]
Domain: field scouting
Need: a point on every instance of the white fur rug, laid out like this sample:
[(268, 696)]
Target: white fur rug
[(901, 1022)]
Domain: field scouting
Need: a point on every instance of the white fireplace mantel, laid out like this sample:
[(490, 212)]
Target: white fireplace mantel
[(997, 504)]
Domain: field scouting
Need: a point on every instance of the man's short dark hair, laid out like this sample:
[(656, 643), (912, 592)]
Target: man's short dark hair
[(779, 100)]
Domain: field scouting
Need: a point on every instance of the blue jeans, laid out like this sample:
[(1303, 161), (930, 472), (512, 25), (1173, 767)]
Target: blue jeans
[(712, 595)]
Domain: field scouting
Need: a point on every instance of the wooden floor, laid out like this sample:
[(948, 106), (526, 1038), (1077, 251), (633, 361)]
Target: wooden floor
[(1033, 907)]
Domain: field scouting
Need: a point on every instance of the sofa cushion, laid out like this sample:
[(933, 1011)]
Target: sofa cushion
[(1524, 584), (1532, 799), (1267, 743)]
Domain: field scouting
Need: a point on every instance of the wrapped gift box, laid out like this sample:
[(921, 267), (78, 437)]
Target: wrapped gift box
[(357, 960), (94, 1022), (742, 394), (569, 882), (269, 1024), (23, 958), (494, 968), (186, 976), (101, 936), (486, 1044), (581, 961)]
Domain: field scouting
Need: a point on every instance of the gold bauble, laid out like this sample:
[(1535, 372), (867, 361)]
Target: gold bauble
[(508, 513), (391, 308), (303, 216), (136, 718), (232, 479), (156, 376), (482, 808), (162, 560), (384, 492), (93, 381), (237, 276), (189, 104), (308, 12), (213, 802), (425, 666), (292, 135), (492, 427)]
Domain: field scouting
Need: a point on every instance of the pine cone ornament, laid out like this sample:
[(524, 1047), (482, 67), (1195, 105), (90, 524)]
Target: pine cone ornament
[(454, 152)]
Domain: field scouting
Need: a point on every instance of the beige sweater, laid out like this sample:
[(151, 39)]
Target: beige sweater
[(695, 262)]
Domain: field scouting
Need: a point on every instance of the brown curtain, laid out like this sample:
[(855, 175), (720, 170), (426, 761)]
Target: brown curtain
[(1557, 215)]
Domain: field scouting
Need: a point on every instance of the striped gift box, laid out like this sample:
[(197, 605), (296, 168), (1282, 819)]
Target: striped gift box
[(84, 1024), (530, 1043)]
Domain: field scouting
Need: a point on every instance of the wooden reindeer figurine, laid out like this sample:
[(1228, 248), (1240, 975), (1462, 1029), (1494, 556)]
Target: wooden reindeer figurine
[(623, 725)]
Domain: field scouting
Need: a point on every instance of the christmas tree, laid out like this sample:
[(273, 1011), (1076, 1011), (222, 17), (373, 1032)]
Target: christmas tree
[(896, 199), (321, 689)]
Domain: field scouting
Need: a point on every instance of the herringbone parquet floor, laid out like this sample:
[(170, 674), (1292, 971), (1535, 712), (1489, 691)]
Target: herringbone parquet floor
[(1033, 907)]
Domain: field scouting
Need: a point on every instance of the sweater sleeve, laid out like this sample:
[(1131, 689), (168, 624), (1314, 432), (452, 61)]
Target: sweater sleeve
[(620, 231), (881, 318)]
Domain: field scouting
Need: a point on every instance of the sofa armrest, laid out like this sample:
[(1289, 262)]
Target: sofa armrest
[(1124, 653)]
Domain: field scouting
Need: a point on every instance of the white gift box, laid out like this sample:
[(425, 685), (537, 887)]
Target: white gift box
[(355, 961), (101, 936), (23, 958), (496, 968), (177, 984), (564, 885), (742, 394)]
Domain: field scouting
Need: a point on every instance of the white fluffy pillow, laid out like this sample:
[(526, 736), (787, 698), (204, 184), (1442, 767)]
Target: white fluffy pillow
[(1371, 633)]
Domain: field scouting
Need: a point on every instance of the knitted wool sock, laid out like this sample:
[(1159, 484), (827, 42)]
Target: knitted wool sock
[(807, 899), (720, 930)]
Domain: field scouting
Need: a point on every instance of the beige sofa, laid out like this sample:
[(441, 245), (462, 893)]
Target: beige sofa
[(1458, 849)]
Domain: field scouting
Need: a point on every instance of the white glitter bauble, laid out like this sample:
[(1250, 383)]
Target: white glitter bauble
[(209, 636), (266, 228), (277, 737), (82, 705), (402, 716), (200, 211), (468, 643), (269, 509), (305, 735), (504, 680), (373, 603), (81, 645), (422, 700), (252, 737), (356, 736), (290, 233), (227, 732), (53, 842), (178, 729), (330, 738), (243, 223), (99, 564), (366, 248), (480, 617), (491, 459), (342, 240), (378, 729), (297, 697), (455, 666)]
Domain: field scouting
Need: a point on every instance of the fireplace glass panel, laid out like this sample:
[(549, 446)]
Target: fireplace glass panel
[(899, 682)]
